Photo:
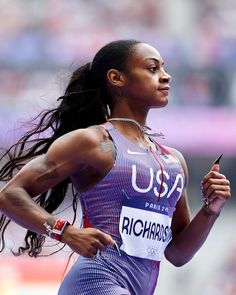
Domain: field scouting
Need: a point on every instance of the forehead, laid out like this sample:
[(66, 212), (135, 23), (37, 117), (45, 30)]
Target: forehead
[(143, 52)]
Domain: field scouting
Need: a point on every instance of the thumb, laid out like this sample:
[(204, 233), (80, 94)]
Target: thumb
[(215, 167)]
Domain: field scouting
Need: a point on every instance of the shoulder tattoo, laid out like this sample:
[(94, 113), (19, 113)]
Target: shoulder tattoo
[(106, 145)]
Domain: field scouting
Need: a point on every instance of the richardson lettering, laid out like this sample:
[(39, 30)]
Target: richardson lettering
[(145, 229), (125, 225), (138, 227), (161, 233)]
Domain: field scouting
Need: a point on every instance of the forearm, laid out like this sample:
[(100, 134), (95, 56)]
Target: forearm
[(19, 206), (183, 247)]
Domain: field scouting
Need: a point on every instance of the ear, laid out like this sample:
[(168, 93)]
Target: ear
[(115, 78)]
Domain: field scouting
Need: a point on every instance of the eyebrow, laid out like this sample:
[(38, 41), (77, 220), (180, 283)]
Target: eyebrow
[(155, 59)]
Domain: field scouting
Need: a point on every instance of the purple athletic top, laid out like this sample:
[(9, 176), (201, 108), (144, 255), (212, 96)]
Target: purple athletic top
[(136, 172), (152, 179)]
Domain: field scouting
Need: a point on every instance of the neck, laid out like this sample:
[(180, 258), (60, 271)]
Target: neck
[(130, 127), (124, 108), (130, 121), (143, 130), (136, 121)]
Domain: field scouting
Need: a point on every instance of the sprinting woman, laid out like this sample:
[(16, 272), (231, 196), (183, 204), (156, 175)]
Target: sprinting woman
[(132, 189)]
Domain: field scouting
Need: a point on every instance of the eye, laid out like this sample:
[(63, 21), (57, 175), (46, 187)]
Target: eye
[(153, 69)]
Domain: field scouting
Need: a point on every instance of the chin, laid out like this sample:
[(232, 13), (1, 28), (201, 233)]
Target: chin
[(165, 103), (160, 104)]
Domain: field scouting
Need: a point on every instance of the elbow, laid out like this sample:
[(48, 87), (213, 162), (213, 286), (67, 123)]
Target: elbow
[(176, 258), (3, 199), (8, 197), (177, 262), (3, 203)]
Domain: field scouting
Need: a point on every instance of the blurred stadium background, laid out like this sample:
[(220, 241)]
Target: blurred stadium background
[(42, 41)]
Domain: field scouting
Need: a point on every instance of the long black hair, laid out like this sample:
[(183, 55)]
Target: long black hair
[(86, 102)]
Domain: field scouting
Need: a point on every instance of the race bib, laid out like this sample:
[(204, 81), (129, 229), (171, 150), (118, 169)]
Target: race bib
[(145, 228)]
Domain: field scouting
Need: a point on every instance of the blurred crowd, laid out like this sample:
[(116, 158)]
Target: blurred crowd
[(196, 38)]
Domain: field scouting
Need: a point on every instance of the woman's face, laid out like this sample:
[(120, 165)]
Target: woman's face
[(146, 81)]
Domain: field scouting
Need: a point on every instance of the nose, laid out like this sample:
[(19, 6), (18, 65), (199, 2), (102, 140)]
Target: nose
[(165, 77)]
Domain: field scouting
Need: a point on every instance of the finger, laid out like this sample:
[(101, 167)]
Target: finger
[(90, 255), (215, 167), (99, 245), (91, 252), (102, 245), (106, 239), (215, 188), (212, 176), (214, 181), (112, 242), (223, 195)]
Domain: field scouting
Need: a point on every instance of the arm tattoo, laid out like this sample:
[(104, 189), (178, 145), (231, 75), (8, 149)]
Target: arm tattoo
[(14, 198), (49, 173), (106, 146)]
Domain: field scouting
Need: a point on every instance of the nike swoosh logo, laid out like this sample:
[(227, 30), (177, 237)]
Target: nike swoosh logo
[(135, 153)]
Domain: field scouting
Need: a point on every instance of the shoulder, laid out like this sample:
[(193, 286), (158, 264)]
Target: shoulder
[(81, 141), (181, 159), (176, 153), (80, 145), (87, 137)]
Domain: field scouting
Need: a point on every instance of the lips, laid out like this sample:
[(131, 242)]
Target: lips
[(167, 88), (164, 90)]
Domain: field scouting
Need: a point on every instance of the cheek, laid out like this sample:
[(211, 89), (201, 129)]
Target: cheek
[(146, 84), (142, 91), (142, 85)]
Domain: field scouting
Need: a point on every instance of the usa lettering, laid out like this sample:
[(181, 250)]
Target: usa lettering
[(145, 229), (155, 182)]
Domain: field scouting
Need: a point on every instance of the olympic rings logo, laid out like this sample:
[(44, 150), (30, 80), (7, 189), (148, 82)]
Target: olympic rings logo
[(152, 251)]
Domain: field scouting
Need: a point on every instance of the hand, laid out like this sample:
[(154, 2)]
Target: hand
[(216, 188), (86, 241)]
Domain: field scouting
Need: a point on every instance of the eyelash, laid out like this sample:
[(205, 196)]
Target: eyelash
[(153, 69)]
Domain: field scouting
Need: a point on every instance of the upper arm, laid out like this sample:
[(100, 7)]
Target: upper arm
[(62, 160), (181, 216)]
